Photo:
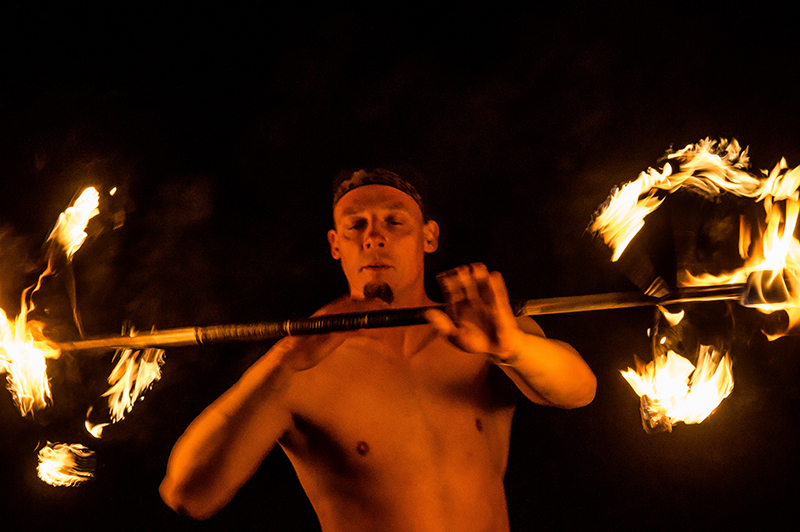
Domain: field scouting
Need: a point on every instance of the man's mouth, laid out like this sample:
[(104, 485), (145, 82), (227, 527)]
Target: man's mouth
[(377, 267)]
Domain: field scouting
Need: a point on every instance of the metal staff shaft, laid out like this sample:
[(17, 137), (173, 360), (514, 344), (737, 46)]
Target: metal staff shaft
[(389, 318), (256, 331), (613, 300)]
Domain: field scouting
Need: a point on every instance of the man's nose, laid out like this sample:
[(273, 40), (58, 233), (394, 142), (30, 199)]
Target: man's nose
[(374, 237)]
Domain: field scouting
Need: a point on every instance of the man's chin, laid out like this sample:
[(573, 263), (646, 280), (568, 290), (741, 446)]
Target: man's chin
[(379, 290)]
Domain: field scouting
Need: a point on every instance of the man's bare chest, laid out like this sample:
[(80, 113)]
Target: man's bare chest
[(371, 398)]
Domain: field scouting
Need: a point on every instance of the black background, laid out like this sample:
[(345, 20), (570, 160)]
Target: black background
[(223, 127)]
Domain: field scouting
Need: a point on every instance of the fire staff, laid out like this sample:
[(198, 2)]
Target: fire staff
[(401, 428)]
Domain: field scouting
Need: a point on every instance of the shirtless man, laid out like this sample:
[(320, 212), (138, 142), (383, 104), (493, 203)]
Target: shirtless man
[(401, 428)]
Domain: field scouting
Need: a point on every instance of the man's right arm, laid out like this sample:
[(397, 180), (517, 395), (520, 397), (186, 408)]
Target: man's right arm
[(226, 443)]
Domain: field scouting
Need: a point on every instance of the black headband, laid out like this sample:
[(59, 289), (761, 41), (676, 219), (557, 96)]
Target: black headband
[(376, 176)]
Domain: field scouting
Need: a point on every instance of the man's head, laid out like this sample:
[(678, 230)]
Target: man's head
[(381, 236)]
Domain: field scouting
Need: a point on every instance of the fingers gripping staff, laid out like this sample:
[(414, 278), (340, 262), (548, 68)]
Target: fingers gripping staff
[(479, 317)]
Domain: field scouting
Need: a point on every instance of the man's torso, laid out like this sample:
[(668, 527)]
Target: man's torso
[(400, 429)]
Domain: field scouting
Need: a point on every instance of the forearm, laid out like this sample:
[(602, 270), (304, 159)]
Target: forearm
[(549, 371), (224, 446)]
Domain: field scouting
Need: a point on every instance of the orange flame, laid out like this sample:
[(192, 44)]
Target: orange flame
[(671, 388), (134, 374), (674, 390), (772, 264), (771, 259), (23, 359), (65, 465), (708, 167), (70, 228), (95, 429), (23, 352)]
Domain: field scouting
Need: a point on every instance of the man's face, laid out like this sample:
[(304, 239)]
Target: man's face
[(381, 239)]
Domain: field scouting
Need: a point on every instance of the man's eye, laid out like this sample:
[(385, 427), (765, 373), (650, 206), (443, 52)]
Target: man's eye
[(359, 224)]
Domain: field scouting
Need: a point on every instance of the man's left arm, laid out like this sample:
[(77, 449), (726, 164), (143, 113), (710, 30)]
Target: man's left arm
[(479, 319)]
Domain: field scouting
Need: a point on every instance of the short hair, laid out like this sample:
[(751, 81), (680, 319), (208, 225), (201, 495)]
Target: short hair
[(346, 181)]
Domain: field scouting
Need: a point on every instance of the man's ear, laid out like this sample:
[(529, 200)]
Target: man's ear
[(333, 240), (430, 231)]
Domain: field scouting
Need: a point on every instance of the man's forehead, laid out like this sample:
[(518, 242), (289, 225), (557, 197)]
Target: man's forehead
[(381, 197)]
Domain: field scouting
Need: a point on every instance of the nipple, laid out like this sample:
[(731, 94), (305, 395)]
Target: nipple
[(362, 448)]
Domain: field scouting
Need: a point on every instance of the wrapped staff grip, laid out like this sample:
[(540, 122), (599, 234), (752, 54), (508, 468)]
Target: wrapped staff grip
[(255, 332), (315, 325)]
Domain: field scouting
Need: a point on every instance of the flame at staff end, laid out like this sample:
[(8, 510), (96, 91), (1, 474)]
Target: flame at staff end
[(673, 390), (708, 168), (134, 374), (61, 464), (711, 168), (771, 268), (670, 387), (23, 352), (70, 228), (23, 359)]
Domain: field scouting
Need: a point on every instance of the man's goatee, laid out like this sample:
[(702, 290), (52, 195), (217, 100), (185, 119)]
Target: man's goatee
[(380, 290)]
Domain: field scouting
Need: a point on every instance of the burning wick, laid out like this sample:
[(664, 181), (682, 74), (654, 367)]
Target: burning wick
[(672, 389), (23, 352), (66, 465), (69, 230), (23, 359), (771, 255), (134, 374)]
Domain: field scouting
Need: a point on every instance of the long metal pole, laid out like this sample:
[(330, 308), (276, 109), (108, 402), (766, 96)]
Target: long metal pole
[(613, 300), (389, 318)]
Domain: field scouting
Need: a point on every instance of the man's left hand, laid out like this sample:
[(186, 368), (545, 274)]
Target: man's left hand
[(479, 317)]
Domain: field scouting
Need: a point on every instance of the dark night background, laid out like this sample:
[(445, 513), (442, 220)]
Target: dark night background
[(223, 128)]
